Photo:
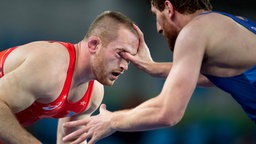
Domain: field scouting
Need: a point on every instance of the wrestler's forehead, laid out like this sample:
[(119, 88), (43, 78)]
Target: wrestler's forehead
[(128, 41)]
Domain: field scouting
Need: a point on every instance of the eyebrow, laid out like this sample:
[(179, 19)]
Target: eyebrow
[(123, 50)]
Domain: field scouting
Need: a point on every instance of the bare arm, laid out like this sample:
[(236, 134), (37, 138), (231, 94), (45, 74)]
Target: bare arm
[(13, 98), (11, 131), (162, 69)]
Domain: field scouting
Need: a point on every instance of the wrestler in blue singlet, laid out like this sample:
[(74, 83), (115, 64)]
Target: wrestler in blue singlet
[(241, 87)]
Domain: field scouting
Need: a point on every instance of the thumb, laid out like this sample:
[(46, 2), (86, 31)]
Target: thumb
[(102, 107)]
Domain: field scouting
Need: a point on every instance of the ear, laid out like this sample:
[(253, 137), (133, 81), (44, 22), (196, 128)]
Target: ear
[(169, 8), (93, 43)]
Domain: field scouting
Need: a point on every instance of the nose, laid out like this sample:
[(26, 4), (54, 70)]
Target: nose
[(124, 64), (159, 28)]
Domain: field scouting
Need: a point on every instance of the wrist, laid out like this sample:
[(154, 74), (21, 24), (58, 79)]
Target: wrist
[(147, 67), (113, 122), (150, 68), (121, 120)]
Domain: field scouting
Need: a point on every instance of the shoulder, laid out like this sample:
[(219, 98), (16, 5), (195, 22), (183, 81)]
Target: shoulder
[(47, 54), (209, 23), (43, 64), (98, 90), (203, 29), (96, 97), (97, 94), (46, 49), (45, 59), (38, 51), (201, 23)]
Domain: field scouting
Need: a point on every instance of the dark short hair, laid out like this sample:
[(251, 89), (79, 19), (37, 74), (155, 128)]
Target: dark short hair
[(107, 24), (183, 6)]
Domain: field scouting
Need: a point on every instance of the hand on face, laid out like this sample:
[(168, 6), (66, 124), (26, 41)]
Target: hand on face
[(143, 55), (94, 128)]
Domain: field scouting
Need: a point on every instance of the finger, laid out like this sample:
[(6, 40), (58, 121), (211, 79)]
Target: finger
[(103, 107), (140, 33), (127, 56), (93, 140), (94, 137), (81, 139), (74, 134), (76, 123)]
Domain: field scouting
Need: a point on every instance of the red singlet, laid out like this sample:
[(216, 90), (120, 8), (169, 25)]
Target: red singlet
[(61, 107)]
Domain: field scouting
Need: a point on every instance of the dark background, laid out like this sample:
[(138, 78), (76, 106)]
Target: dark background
[(212, 116)]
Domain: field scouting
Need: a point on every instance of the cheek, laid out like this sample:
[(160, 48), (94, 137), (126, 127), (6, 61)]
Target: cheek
[(112, 63), (109, 62)]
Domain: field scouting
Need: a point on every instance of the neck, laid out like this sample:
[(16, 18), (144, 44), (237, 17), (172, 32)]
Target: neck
[(82, 72)]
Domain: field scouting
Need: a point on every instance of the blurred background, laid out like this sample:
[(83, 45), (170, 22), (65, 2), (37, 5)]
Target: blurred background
[(212, 116)]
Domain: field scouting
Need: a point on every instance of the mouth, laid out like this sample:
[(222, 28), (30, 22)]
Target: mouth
[(116, 74)]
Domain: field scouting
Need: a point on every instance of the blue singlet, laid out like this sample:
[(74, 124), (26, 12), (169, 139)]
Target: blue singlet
[(241, 87)]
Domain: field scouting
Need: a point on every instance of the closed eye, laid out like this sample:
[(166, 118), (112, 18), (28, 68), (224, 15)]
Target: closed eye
[(121, 56), (118, 55)]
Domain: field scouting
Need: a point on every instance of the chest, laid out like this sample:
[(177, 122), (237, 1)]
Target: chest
[(59, 108), (71, 100)]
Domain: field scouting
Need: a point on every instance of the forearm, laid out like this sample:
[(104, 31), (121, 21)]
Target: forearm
[(147, 116), (11, 131), (157, 69), (162, 69)]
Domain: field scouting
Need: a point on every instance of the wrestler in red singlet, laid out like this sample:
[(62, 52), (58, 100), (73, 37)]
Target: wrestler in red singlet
[(59, 108)]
